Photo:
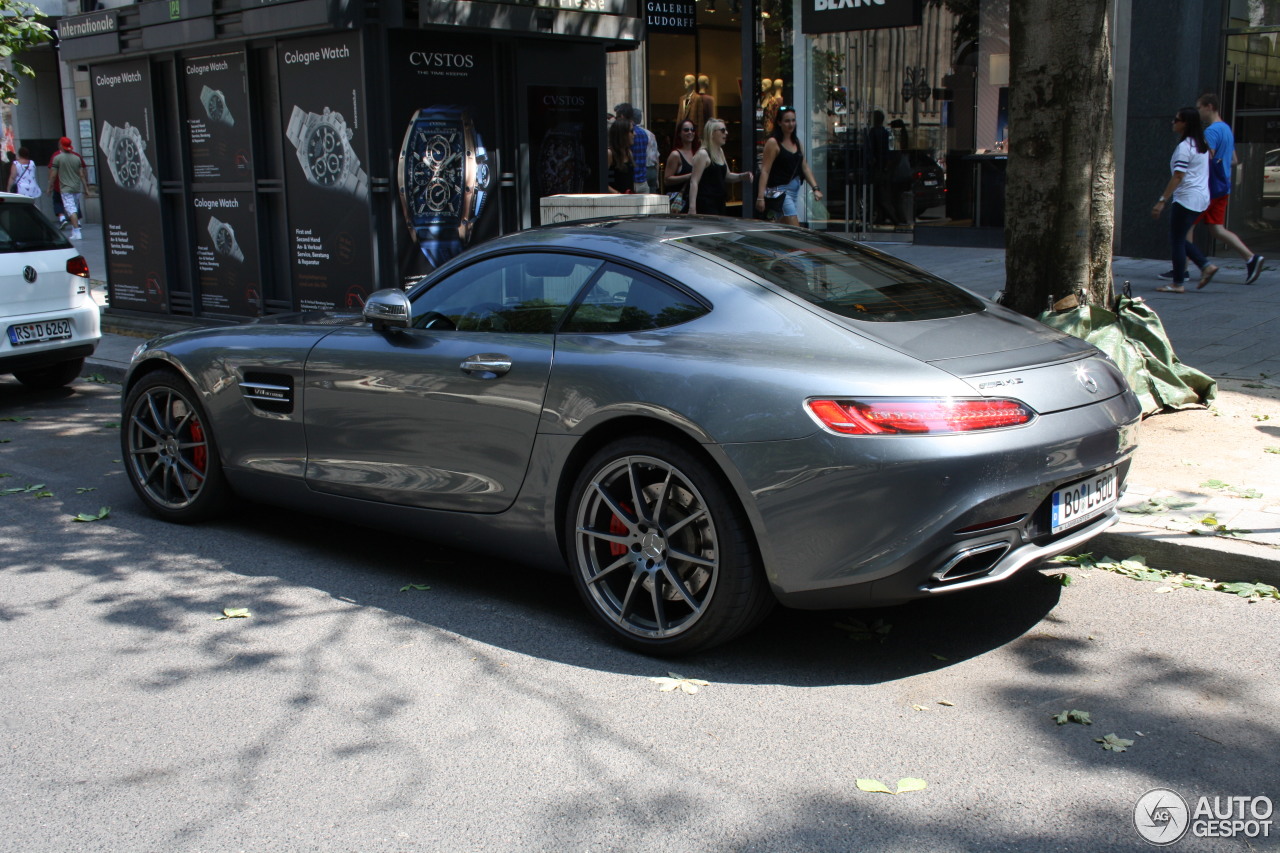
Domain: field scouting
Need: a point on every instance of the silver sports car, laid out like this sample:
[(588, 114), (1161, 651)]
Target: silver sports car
[(697, 416)]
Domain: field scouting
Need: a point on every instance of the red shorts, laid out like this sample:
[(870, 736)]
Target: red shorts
[(1216, 212)]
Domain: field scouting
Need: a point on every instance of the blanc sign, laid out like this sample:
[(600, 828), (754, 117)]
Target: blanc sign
[(837, 16)]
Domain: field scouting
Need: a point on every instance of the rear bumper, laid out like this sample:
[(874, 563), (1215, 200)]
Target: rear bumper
[(846, 521), (20, 361)]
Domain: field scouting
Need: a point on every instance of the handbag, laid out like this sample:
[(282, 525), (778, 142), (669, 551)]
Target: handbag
[(774, 197), (1218, 183), (679, 204)]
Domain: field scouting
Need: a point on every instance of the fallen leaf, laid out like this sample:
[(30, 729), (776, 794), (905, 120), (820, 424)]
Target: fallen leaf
[(946, 702), (1072, 716), (873, 786), (939, 657), (1164, 589), (919, 708), (673, 681), (84, 516), (80, 490), (910, 784), (233, 613), (15, 420), (417, 586), (1114, 743)]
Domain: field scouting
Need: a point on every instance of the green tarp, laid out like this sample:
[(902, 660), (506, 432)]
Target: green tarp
[(1134, 338)]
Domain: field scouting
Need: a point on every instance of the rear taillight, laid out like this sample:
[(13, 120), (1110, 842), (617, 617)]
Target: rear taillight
[(931, 416), (78, 266)]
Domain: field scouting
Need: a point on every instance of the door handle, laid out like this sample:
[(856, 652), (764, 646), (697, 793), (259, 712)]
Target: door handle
[(486, 365)]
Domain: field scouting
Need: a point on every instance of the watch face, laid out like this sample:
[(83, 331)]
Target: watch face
[(224, 242), (433, 174), (559, 165), (128, 162), (216, 106), (325, 155)]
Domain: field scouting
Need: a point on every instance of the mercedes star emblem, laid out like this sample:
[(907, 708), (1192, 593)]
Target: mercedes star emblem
[(1090, 384)]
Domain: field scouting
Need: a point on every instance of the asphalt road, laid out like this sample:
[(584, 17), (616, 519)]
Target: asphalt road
[(487, 713)]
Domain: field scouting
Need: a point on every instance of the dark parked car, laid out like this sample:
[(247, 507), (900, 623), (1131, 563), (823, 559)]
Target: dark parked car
[(696, 416)]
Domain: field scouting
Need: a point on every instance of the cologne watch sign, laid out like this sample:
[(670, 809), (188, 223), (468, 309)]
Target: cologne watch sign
[(837, 16)]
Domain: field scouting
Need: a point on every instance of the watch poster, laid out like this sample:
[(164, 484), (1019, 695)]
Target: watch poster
[(133, 229), (444, 126), (560, 147), (326, 156), (218, 118), (227, 254)]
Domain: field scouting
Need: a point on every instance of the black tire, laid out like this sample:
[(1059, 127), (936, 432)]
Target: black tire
[(660, 551), (170, 452), (54, 376)]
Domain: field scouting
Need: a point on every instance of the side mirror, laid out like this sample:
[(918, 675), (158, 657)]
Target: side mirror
[(387, 309)]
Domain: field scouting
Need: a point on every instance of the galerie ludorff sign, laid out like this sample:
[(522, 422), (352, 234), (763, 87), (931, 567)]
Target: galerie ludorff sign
[(838, 16)]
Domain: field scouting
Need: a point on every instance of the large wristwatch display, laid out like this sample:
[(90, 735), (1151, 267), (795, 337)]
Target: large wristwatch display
[(215, 106), (125, 151), (224, 239), (324, 149), (443, 178), (562, 161)]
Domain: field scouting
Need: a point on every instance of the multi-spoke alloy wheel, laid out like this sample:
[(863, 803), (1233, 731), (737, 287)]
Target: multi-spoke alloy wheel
[(169, 450), (661, 554)]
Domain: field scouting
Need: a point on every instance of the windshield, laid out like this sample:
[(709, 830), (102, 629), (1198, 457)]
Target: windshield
[(24, 228), (839, 276)]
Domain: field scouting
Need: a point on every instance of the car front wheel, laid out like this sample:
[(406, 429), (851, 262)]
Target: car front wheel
[(170, 452), (660, 551)]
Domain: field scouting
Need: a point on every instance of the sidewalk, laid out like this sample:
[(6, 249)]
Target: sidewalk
[(1228, 330)]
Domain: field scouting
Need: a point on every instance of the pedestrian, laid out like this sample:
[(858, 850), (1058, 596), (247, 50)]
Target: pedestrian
[(1186, 195), (709, 183), (622, 168), (67, 167), (680, 165), (1222, 160), (645, 153), (22, 175), (782, 167)]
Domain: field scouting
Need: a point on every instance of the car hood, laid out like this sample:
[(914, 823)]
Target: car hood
[(312, 318)]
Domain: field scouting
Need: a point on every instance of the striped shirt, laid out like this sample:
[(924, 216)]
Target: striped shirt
[(1193, 192)]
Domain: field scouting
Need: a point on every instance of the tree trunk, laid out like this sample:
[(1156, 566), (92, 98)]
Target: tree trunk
[(1060, 195)]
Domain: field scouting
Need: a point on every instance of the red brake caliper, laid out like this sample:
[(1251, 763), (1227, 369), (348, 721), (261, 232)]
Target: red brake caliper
[(199, 455), (619, 528)]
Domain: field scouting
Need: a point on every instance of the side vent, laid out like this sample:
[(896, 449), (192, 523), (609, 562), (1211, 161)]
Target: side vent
[(269, 392)]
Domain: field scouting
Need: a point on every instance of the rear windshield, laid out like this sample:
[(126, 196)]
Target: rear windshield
[(839, 276), (23, 228)]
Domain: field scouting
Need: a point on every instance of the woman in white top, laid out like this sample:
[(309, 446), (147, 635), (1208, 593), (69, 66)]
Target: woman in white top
[(1186, 195)]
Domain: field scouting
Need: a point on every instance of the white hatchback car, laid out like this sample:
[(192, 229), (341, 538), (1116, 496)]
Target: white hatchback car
[(50, 320)]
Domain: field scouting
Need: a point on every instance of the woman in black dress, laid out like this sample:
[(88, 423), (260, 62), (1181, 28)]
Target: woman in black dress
[(680, 165), (783, 167), (622, 168), (708, 185)]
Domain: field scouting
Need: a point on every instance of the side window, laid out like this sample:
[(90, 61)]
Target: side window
[(623, 300), (525, 293)]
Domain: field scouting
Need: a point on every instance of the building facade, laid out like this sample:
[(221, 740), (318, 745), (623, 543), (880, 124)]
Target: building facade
[(261, 156)]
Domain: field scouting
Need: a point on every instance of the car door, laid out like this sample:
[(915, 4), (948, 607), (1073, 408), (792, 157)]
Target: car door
[(442, 415)]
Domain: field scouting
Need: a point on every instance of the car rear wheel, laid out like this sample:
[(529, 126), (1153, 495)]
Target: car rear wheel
[(53, 376), (660, 551), (170, 452)]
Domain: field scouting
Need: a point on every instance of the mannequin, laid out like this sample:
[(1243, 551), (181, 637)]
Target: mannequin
[(686, 101), (766, 91), (703, 106), (773, 104)]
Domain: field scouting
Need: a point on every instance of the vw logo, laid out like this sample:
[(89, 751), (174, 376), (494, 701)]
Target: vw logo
[(29, 273), (1090, 384)]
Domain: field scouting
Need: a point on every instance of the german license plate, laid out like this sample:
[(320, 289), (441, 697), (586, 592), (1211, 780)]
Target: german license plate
[(38, 333), (1083, 500)]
